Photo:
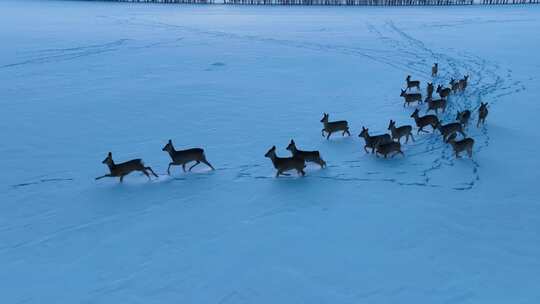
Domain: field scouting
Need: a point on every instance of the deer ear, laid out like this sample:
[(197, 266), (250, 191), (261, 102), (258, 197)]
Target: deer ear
[(110, 154), (292, 141), (170, 141)]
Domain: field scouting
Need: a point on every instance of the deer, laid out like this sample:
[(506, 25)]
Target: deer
[(334, 126), (398, 133), (308, 156), (454, 85), (450, 128), (389, 147), (183, 157), (463, 117), (430, 90), (482, 114), (122, 169), (410, 98), (283, 164), (434, 69), (373, 141), (465, 144), (423, 121), (435, 105), (463, 82), (412, 83), (443, 92)]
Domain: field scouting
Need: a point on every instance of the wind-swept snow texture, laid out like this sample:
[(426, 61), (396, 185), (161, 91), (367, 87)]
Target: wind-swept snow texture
[(79, 79)]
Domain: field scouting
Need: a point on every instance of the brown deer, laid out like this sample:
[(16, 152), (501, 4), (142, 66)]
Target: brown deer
[(283, 164), (454, 85), (463, 82), (463, 117), (410, 98), (430, 90), (334, 126), (435, 105), (465, 144), (183, 157), (482, 113), (450, 128), (423, 121), (412, 83), (373, 141), (398, 133), (443, 92), (434, 70), (122, 169), (308, 156), (387, 148)]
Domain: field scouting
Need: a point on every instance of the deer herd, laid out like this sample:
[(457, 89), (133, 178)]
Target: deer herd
[(381, 144)]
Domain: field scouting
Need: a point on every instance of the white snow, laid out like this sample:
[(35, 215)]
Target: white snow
[(79, 79)]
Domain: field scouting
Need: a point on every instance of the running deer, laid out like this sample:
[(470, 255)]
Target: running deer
[(423, 121), (334, 126), (435, 105), (463, 117), (482, 113), (122, 169), (443, 92), (410, 98), (412, 83), (449, 129), (283, 164), (308, 156), (434, 70), (398, 133), (373, 141), (183, 157), (465, 144), (430, 90), (388, 148)]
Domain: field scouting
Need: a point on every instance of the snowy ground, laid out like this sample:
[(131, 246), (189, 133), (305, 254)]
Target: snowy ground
[(79, 79)]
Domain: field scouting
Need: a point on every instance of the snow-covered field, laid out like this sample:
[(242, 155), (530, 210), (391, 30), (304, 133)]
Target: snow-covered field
[(79, 79)]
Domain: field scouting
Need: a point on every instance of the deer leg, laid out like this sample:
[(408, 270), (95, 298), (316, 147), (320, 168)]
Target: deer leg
[(321, 162), (301, 172), (328, 137), (411, 136), (169, 168), (152, 171), (207, 163), (146, 173), (462, 133), (347, 131), (365, 149), (196, 163), (100, 177), (122, 178), (322, 132)]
